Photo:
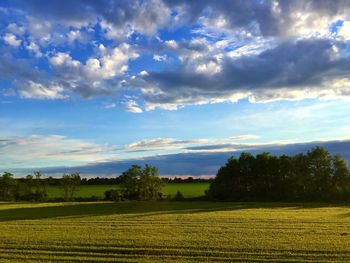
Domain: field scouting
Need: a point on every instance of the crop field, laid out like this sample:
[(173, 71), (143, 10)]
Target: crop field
[(187, 189), (174, 232)]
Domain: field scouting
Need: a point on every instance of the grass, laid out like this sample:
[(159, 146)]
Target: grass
[(85, 191), (174, 232)]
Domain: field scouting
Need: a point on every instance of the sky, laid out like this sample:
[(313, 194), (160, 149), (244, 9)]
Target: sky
[(90, 84)]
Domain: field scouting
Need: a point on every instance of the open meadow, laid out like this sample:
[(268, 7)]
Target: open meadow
[(174, 232), (188, 190)]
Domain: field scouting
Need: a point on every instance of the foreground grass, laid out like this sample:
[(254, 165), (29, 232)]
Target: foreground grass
[(85, 191), (173, 232)]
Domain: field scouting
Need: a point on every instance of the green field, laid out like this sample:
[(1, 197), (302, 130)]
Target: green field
[(85, 191), (173, 232)]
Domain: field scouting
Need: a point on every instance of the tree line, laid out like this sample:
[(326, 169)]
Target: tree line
[(314, 176), (136, 183), (34, 187)]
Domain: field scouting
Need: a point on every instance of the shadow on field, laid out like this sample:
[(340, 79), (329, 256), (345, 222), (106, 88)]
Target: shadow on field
[(65, 210)]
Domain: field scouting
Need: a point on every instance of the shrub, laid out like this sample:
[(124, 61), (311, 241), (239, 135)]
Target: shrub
[(113, 195), (179, 196)]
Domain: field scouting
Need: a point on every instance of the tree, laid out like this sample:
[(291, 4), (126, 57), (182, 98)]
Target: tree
[(340, 177), (129, 182), (313, 176), (7, 186), (141, 184), (320, 170), (70, 183), (40, 187)]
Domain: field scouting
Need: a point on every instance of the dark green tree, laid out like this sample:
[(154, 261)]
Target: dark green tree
[(315, 176), (7, 186), (141, 184)]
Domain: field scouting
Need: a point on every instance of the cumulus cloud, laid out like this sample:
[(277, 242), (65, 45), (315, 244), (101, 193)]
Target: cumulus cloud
[(258, 50), (344, 30), (16, 29), (266, 18), (159, 58), (290, 70), (12, 40), (35, 90), (118, 16), (34, 49), (87, 79)]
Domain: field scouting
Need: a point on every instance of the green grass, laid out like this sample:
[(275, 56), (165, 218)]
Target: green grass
[(187, 189), (174, 232)]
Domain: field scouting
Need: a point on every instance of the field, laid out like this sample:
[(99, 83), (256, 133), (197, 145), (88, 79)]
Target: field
[(173, 232), (85, 191)]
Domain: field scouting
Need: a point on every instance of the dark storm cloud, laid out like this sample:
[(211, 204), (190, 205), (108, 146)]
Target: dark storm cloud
[(292, 64), (196, 164), (145, 16), (17, 69), (272, 18)]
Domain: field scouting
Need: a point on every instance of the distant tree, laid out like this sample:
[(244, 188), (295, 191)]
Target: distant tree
[(320, 172), (129, 182), (7, 186), (70, 184), (24, 189), (340, 178), (40, 187), (141, 184)]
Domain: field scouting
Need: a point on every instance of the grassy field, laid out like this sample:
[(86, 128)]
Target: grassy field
[(187, 189), (173, 232)]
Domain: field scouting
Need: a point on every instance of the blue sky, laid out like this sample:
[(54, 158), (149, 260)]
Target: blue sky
[(108, 81)]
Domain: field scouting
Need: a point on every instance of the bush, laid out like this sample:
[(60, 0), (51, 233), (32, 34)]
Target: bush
[(113, 195), (179, 196)]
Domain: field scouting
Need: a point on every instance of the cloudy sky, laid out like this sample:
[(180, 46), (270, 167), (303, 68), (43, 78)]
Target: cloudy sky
[(87, 82)]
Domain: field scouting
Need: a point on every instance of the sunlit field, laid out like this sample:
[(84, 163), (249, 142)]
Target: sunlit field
[(188, 190), (174, 232)]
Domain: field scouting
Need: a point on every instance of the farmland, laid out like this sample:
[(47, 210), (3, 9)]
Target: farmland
[(187, 189), (174, 232)]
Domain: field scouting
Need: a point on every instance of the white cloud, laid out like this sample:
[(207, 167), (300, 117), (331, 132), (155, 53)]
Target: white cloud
[(171, 44), (12, 40), (344, 31), (91, 78), (49, 150), (160, 57), (166, 144), (143, 73), (132, 106), (110, 106), (34, 48), (74, 35), (208, 68), (64, 59), (160, 144), (112, 63), (15, 29), (35, 90)]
